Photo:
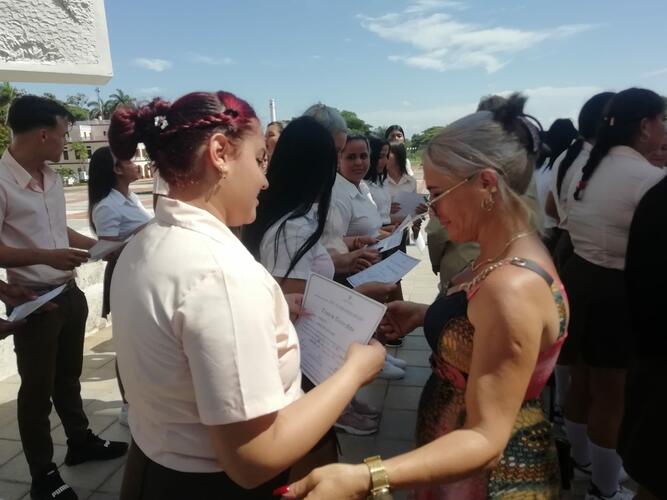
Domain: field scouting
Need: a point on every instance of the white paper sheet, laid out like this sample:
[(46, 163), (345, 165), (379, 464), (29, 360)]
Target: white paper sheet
[(390, 270), (28, 308), (104, 247), (394, 239), (409, 202), (335, 317)]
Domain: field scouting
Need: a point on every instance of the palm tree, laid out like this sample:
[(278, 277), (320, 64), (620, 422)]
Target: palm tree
[(95, 111), (120, 98)]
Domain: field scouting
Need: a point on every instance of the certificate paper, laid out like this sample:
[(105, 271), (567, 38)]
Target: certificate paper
[(104, 247), (390, 270), (409, 202), (27, 308), (394, 239), (335, 317)]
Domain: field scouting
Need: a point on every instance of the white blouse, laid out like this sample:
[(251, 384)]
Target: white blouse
[(382, 199), (406, 183), (203, 336), (357, 213), (294, 234), (117, 215), (599, 223)]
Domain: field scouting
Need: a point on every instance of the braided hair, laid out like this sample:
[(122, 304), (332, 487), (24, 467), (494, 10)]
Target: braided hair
[(590, 117), (620, 126), (173, 132)]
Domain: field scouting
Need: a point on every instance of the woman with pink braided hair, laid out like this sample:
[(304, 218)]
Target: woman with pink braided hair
[(206, 349)]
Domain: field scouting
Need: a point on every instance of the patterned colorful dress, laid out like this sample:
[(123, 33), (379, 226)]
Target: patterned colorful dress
[(528, 468)]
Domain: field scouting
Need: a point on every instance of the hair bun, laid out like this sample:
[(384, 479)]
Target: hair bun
[(130, 126), (509, 110)]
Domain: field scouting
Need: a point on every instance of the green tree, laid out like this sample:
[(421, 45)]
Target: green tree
[(419, 141), (355, 125), (80, 99), (379, 131), (95, 111), (120, 98), (7, 96), (80, 151)]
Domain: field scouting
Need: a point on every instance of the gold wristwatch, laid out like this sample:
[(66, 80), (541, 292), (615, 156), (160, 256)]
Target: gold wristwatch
[(380, 489)]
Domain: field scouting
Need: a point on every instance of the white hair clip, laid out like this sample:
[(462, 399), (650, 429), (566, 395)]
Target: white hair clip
[(161, 122)]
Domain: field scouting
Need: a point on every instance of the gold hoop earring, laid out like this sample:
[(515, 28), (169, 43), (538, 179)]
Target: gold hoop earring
[(488, 203)]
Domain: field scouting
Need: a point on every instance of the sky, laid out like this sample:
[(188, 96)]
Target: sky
[(418, 63)]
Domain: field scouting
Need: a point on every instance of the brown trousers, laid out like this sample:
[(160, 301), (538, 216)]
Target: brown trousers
[(49, 355)]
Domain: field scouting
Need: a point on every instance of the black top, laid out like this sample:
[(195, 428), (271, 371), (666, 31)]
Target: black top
[(646, 274)]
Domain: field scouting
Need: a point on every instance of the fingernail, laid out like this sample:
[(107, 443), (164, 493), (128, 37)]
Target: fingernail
[(280, 491)]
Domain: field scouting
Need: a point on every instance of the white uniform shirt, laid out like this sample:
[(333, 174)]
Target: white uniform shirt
[(115, 215), (203, 336), (599, 224), (543, 181), (32, 217), (382, 199), (357, 213), (160, 186), (406, 183), (570, 182), (294, 234)]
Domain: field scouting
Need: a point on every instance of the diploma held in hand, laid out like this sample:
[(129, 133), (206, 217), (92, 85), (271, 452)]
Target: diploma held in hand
[(335, 316)]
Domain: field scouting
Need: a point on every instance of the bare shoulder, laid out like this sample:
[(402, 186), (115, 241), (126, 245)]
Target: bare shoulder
[(510, 292)]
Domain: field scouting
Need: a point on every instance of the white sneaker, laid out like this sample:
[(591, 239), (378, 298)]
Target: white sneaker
[(401, 363), (622, 493), (391, 372), (122, 416)]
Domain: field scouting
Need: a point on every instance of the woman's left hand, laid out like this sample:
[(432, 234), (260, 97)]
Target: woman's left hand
[(333, 482), (294, 303)]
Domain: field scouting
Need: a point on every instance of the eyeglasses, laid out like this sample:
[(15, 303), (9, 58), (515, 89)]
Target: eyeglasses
[(430, 201)]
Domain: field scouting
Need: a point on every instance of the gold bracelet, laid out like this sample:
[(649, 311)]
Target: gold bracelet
[(380, 488)]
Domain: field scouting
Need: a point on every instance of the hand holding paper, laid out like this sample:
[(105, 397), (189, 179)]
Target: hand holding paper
[(337, 317), (105, 247), (390, 270), (24, 310), (408, 202)]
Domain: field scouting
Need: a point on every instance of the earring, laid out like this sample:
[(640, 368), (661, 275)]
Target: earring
[(488, 203)]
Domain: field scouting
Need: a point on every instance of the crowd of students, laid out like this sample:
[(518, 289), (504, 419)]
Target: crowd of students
[(203, 298)]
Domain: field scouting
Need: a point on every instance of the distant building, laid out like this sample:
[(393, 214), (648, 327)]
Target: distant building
[(93, 135)]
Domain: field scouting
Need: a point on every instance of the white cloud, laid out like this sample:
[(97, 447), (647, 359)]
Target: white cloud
[(316, 57), (657, 72), (211, 61), (545, 103), (428, 5), (441, 42), (158, 65)]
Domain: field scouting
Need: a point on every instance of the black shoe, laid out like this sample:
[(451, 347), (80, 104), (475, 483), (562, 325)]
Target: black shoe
[(94, 448), (51, 487), (395, 343)]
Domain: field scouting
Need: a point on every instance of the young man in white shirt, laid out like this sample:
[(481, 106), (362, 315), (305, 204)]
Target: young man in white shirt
[(40, 253)]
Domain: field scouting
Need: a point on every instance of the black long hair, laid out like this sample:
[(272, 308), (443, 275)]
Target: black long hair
[(373, 175), (392, 128), (559, 137), (589, 120), (302, 171), (620, 126), (401, 155), (101, 180)]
